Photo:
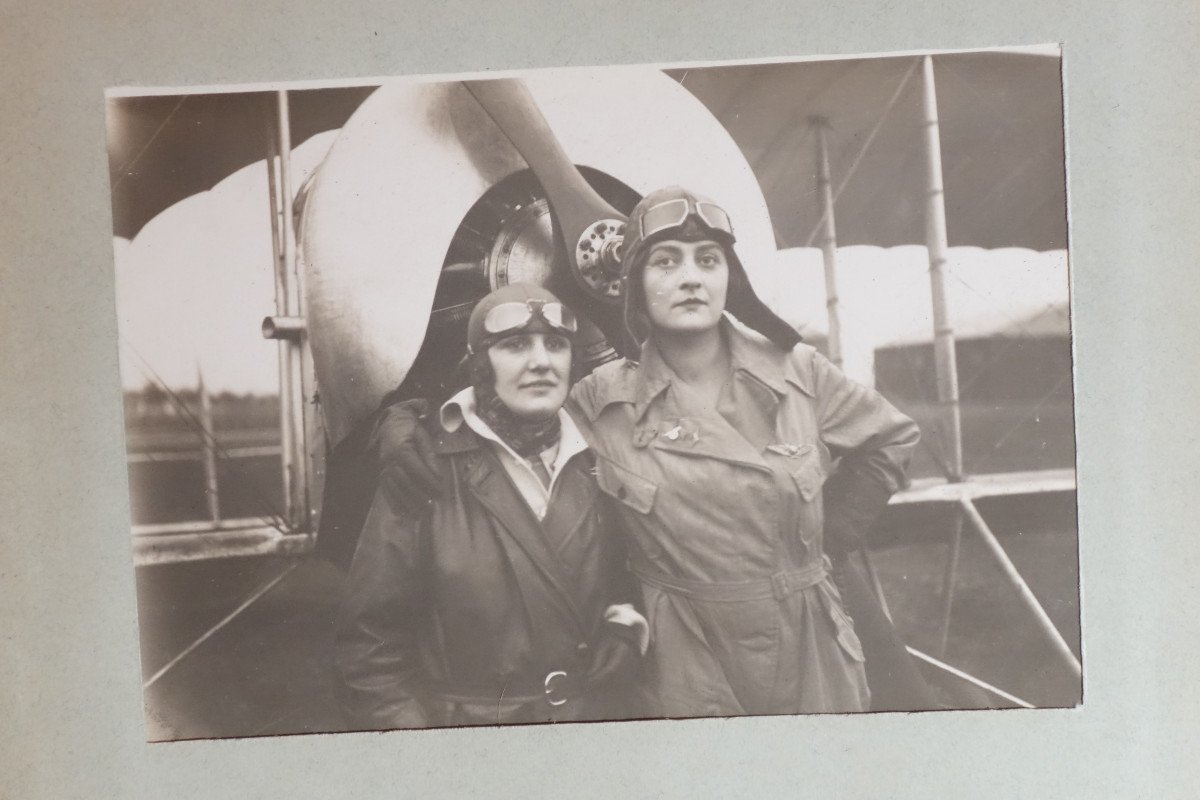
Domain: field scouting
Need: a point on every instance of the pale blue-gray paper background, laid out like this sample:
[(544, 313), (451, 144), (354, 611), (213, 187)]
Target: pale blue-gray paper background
[(70, 702)]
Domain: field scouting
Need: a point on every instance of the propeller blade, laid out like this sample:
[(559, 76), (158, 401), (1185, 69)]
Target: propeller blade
[(577, 208)]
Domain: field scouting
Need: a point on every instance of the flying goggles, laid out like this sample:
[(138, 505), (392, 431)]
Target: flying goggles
[(672, 213), (514, 316)]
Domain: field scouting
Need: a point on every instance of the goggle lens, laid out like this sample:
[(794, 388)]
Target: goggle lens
[(670, 214), (714, 217), (512, 316), (673, 213)]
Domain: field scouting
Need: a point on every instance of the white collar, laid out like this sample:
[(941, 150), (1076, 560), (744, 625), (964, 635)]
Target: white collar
[(461, 408)]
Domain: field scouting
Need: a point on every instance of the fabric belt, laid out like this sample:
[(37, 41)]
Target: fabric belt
[(778, 586)]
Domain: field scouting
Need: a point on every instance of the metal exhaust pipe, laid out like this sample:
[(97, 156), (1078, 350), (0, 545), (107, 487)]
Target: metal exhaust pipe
[(282, 327)]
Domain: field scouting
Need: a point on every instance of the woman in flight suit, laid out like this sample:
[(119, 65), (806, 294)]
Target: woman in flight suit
[(716, 446), (503, 597)]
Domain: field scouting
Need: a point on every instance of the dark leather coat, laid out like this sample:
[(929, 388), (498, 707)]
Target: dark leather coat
[(458, 608)]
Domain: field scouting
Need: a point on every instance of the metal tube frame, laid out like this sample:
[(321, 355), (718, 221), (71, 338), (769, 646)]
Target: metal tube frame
[(828, 242), (280, 272), (1013, 576), (948, 397), (969, 678), (948, 580), (935, 237), (298, 505)]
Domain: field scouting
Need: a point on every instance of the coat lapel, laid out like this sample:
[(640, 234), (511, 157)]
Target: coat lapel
[(666, 424), (492, 488), (572, 504)]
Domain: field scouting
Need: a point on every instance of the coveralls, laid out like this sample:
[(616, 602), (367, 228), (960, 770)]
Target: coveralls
[(725, 514)]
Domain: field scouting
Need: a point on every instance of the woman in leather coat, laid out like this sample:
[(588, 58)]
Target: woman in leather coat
[(504, 598)]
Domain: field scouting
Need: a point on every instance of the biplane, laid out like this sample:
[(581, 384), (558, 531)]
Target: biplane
[(418, 197)]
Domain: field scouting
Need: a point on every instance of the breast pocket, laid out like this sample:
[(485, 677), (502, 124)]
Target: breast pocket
[(806, 465), (635, 498), (628, 487)]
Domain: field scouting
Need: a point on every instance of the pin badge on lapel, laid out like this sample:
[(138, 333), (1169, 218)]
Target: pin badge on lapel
[(685, 430), (789, 450)]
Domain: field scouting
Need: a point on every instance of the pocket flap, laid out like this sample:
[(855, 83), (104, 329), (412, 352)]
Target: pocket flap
[(630, 488), (807, 472)]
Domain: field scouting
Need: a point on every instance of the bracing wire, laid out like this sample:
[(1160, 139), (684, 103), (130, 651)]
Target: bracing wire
[(208, 634), (992, 359), (863, 151), (1022, 328), (1033, 414), (125, 170)]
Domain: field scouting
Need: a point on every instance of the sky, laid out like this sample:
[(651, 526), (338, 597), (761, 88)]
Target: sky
[(195, 283), (885, 297)]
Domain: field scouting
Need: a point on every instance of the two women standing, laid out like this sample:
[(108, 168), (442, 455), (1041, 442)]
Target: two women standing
[(714, 450)]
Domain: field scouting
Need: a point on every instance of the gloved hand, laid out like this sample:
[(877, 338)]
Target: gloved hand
[(853, 502), (615, 655), (403, 442)]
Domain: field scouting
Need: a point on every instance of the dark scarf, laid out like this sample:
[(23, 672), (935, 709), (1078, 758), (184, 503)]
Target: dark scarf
[(527, 438)]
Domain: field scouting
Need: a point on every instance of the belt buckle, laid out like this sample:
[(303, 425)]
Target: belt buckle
[(548, 687)]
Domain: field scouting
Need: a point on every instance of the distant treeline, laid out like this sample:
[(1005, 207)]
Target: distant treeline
[(154, 408)]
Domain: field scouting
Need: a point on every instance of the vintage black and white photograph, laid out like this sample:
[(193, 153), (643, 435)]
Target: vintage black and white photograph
[(598, 394)]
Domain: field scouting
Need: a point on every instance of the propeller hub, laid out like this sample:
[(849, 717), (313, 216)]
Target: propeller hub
[(598, 258)]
